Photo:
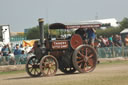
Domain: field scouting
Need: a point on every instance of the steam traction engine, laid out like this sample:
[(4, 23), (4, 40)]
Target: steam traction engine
[(68, 54)]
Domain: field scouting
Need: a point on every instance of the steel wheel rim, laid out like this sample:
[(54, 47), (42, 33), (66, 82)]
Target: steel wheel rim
[(85, 59), (48, 65), (32, 67)]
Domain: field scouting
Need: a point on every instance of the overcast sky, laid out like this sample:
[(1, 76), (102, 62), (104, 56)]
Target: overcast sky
[(21, 14)]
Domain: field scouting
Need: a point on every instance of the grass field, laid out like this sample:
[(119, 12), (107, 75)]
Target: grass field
[(107, 73), (11, 72)]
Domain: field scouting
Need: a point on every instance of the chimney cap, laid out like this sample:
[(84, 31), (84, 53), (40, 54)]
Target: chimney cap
[(41, 19)]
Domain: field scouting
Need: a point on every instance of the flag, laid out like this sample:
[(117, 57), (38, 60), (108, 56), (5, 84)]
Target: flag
[(25, 43)]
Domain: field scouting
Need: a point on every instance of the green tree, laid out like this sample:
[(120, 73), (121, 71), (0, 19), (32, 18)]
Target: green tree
[(124, 23), (113, 30), (108, 32), (34, 32)]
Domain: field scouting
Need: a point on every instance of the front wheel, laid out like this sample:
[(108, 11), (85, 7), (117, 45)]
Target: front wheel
[(84, 58), (48, 65), (32, 67)]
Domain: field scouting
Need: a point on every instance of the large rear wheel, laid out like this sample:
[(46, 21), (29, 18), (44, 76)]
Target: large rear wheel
[(84, 58)]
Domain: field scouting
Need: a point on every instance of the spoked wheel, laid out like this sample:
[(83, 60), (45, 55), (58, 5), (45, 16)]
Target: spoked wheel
[(32, 67), (68, 70), (48, 65), (84, 58)]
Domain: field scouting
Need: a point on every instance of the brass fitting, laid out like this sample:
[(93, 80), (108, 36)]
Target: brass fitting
[(41, 20)]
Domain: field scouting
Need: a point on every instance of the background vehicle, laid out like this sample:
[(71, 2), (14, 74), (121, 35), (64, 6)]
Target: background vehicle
[(4, 34)]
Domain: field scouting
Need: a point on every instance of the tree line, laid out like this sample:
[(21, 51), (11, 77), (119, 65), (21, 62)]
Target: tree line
[(33, 32)]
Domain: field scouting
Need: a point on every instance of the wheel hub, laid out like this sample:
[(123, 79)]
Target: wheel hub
[(35, 66), (85, 59), (48, 65)]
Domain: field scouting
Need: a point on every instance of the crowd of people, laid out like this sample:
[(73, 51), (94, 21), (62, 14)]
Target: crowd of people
[(113, 40), (102, 41), (14, 54)]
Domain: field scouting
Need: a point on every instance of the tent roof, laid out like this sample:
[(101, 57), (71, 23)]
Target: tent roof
[(124, 31), (79, 25)]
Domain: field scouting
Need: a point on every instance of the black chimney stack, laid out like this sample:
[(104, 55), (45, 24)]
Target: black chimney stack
[(41, 22)]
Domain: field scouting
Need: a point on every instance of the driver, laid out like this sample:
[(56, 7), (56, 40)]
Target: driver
[(81, 32), (36, 50)]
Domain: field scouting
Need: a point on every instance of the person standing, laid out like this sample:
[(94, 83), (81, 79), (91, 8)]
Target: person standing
[(91, 35), (17, 50), (126, 40), (23, 57), (17, 53), (110, 39), (5, 51)]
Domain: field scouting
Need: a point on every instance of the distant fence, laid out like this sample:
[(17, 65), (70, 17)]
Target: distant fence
[(8, 60), (105, 52), (19, 59), (111, 52)]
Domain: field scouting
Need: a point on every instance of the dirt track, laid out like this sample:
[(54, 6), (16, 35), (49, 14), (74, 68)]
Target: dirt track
[(102, 74)]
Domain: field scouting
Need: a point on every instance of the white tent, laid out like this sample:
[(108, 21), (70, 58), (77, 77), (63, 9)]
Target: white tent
[(124, 31), (112, 21)]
